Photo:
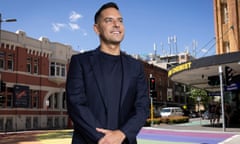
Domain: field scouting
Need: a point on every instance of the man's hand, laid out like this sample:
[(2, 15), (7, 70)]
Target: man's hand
[(111, 136)]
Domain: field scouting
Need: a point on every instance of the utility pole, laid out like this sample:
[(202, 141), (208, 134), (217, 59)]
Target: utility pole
[(2, 20), (222, 98)]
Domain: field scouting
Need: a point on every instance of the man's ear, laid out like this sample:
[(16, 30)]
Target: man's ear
[(96, 29)]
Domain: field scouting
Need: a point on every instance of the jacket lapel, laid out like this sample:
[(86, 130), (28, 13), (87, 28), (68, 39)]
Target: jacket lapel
[(125, 78), (95, 64)]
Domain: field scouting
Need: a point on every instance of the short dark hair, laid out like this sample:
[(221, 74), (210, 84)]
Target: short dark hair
[(105, 6)]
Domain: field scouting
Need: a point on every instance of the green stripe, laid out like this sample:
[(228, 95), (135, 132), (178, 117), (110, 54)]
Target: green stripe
[(141, 141)]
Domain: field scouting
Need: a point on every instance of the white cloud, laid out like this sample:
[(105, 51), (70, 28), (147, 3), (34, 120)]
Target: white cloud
[(74, 16), (57, 26), (73, 26), (204, 50)]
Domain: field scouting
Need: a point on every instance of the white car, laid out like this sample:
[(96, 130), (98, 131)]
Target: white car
[(171, 111)]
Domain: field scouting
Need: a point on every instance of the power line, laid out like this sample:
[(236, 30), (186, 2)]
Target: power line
[(214, 38)]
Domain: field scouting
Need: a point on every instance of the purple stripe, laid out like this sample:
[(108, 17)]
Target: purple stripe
[(174, 136), (197, 134)]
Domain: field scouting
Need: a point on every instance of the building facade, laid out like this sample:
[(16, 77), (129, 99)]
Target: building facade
[(33, 74), (227, 31), (227, 25)]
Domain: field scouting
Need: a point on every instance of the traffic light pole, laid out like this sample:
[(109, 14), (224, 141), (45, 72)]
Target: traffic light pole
[(222, 98), (152, 117), (151, 86)]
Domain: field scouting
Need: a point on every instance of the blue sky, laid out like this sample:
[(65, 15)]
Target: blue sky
[(146, 22)]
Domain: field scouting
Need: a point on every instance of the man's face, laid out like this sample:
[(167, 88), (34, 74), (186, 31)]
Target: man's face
[(110, 26)]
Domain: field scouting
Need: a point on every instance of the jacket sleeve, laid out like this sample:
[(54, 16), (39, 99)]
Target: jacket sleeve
[(77, 105), (138, 117)]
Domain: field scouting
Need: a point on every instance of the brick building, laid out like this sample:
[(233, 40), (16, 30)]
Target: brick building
[(33, 74), (227, 25)]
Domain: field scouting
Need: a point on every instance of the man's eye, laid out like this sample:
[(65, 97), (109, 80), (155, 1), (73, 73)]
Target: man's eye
[(108, 20), (120, 20)]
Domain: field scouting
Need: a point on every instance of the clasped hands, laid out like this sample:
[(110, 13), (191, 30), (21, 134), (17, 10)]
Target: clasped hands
[(111, 136)]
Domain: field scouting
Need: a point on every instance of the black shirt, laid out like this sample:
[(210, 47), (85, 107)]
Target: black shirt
[(112, 72)]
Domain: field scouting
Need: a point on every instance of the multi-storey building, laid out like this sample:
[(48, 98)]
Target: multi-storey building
[(176, 92), (33, 74), (227, 31), (227, 25)]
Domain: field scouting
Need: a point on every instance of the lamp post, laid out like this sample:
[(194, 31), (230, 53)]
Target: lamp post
[(4, 20)]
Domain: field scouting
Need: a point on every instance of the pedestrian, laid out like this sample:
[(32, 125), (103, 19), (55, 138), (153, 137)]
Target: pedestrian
[(217, 114), (107, 89), (211, 113), (228, 113)]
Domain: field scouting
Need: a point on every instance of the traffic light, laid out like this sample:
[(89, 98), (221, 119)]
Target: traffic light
[(153, 94), (213, 80), (152, 84), (228, 75)]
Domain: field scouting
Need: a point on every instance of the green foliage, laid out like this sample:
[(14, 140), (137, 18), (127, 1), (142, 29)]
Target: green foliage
[(53, 134), (195, 93), (168, 120)]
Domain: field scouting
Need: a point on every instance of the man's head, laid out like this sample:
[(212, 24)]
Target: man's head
[(105, 6), (109, 24)]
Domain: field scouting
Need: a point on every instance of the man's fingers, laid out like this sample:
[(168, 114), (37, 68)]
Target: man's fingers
[(102, 130)]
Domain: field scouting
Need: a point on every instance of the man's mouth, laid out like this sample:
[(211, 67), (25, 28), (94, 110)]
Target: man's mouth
[(116, 32)]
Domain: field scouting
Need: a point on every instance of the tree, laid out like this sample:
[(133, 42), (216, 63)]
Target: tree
[(199, 93)]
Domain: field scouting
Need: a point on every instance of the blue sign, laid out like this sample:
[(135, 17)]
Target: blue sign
[(233, 86), (214, 93), (21, 97)]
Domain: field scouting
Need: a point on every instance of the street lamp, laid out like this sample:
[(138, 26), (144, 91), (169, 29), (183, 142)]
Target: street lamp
[(4, 20)]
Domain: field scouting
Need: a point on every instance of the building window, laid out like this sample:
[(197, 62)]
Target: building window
[(182, 57), (2, 101), (225, 13), (28, 123), (226, 47), (2, 54), (49, 122), (9, 124), (57, 69), (29, 60), (1, 124), (56, 122), (10, 62), (35, 122), (62, 70), (9, 100), (35, 99), (64, 105), (35, 66), (55, 100)]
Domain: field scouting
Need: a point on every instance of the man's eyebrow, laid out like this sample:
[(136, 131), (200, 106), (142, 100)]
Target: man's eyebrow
[(119, 18)]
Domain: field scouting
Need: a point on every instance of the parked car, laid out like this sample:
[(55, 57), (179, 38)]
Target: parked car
[(193, 114), (171, 111)]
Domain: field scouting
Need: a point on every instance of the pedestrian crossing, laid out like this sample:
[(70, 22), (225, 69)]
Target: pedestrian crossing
[(163, 136)]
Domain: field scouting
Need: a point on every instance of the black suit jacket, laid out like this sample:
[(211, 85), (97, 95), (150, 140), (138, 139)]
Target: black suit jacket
[(87, 105)]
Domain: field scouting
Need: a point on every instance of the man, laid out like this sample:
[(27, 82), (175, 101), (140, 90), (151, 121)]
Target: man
[(106, 89)]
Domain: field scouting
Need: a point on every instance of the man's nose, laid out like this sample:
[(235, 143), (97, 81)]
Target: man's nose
[(116, 23)]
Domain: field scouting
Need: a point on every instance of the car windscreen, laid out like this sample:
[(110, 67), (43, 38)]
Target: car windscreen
[(165, 110)]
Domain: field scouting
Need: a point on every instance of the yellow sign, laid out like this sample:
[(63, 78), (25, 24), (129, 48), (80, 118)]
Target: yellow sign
[(179, 68)]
